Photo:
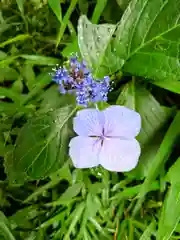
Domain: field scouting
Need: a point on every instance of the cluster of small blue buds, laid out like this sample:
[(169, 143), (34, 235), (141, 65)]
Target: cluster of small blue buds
[(77, 79)]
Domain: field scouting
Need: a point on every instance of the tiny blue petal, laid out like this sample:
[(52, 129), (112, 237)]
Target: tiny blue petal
[(78, 80)]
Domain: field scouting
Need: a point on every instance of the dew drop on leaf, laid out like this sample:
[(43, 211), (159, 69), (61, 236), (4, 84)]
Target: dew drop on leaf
[(98, 38)]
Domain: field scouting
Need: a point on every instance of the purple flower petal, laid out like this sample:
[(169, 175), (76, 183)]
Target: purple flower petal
[(88, 122), (78, 78), (84, 151), (119, 155), (121, 122)]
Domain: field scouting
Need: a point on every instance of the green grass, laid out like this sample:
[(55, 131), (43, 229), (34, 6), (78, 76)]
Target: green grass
[(70, 203)]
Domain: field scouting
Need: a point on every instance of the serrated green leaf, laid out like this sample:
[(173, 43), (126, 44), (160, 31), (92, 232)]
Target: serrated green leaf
[(94, 43), (147, 38), (41, 146)]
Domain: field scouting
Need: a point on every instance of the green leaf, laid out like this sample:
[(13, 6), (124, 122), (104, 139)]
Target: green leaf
[(159, 159), (76, 216), (7, 73), (83, 6), (71, 192), (65, 21), (17, 86), (41, 146), (40, 60), (170, 215), (100, 5), (148, 232), (147, 38), (173, 86), (173, 173), (42, 80), (62, 174), (56, 8), (12, 108), (94, 43), (22, 217), (2, 147), (123, 3), (3, 55), (29, 75), (20, 37), (20, 4), (130, 192), (70, 48), (5, 233), (136, 97), (13, 95), (50, 98), (148, 151)]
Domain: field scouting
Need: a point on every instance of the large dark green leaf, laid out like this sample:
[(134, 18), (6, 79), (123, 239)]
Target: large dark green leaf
[(152, 114), (94, 43), (153, 118), (41, 146), (147, 38)]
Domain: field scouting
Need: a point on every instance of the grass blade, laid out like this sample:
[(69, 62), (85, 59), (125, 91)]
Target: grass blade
[(65, 21), (160, 159)]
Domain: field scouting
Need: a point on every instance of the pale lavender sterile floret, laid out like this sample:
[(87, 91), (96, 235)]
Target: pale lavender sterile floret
[(78, 80), (106, 138)]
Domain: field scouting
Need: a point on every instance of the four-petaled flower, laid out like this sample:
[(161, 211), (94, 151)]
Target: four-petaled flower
[(106, 138)]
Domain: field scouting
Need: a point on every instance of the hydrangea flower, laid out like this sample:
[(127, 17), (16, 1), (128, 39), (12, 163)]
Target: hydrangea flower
[(106, 138), (78, 80)]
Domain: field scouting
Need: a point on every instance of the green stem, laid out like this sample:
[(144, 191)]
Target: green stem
[(65, 21)]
